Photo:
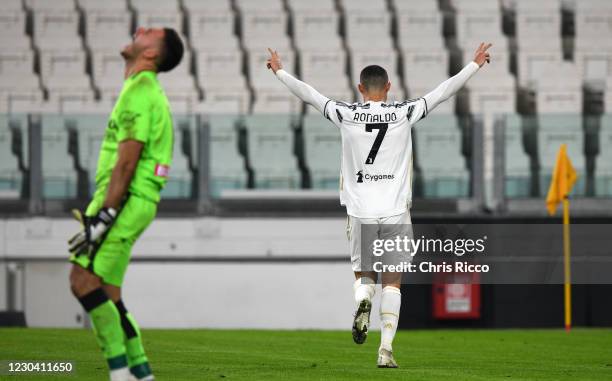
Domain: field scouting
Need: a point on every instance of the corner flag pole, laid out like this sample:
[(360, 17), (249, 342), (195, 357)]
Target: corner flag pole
[(566, 265)]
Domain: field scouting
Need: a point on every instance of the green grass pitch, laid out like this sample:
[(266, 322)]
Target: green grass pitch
[(583, 354)]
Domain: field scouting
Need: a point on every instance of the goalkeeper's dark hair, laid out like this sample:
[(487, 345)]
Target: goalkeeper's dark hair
[(374, 77), (172, 51)]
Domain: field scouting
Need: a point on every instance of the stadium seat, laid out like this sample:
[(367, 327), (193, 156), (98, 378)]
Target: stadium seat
[(421, 30), (425, 67), (559, 89), (554, 130), (608, 96), (478, 25), (534, 64), (275, 102), (12, 23), (319, 6), (157, 5), (538, 23), (106, 5), (438, 153), (592, 21), (270, 141), (559, 100), (207, 6), (45, 5), (13, 27), (322, 151), (603, 164), (326, 72), (364, 5), (12, 99), (62, 63), (158, 13), (316, 30), (57, 30), (160, 19), (475, 6), (414, 5), (33, 104), (10, 175), (12, 5), (517, 167), (86, 107), (12, 42), (260, 31), (593, 57), (483, 98), (227, 166), (108, 70), (220, 69), (326, 64), (225, 101), (59, 176), (108, 30), (179, 183), (261, 5), (419, 26), (179, 82), (209, 29), (90, 133), (592, 6), (15, 62), (368, 30), (63, 74)]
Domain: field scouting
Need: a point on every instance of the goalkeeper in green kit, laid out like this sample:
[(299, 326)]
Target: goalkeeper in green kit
[(133, 165)]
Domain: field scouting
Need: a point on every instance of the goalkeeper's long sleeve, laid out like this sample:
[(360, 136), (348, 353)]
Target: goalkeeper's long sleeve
[(450, 87), (303, 90)]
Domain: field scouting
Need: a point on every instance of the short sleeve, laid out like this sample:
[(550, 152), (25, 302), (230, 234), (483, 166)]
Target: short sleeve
[(134, 115), (416, 110)]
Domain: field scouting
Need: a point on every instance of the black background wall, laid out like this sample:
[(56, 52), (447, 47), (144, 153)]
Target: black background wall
[(514, 306)]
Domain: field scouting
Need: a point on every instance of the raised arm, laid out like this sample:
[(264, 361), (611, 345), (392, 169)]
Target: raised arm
[(300, 89), (450, 87)]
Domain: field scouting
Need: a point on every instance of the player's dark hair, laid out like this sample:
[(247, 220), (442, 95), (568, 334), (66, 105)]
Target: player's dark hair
[(172, 51), (374, 77)]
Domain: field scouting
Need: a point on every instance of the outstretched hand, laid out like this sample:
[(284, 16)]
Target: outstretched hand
[(274, 62), (482, 56)]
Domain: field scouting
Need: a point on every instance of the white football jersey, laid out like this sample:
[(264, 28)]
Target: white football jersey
[(376, 170)]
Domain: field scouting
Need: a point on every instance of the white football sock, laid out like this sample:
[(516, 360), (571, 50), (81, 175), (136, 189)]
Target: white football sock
[(390, 304), (120, 374), (364, 288)]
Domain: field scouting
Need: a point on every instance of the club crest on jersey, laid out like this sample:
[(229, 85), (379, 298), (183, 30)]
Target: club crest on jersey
[(361, 177)]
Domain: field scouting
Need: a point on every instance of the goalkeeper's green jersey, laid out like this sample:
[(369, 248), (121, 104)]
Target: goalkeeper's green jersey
[(141, 113)]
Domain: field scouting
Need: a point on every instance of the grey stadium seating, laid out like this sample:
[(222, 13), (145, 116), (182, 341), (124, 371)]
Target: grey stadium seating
[(438, 155), (552, 63)]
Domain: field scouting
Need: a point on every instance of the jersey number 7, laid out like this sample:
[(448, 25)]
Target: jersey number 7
[(382, 130)]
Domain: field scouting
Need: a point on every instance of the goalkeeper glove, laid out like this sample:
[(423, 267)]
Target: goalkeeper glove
[(93, 228)]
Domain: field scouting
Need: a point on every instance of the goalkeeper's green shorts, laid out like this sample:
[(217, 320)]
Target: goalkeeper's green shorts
[(110, 259)]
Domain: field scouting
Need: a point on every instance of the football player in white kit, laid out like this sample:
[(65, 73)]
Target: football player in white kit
[(376, 175)]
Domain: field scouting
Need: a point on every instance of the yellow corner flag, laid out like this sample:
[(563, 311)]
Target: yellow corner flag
[(563, 179)]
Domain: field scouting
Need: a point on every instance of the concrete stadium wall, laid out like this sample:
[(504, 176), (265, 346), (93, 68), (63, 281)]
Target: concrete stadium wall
[(209, 272), (269, 273)]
